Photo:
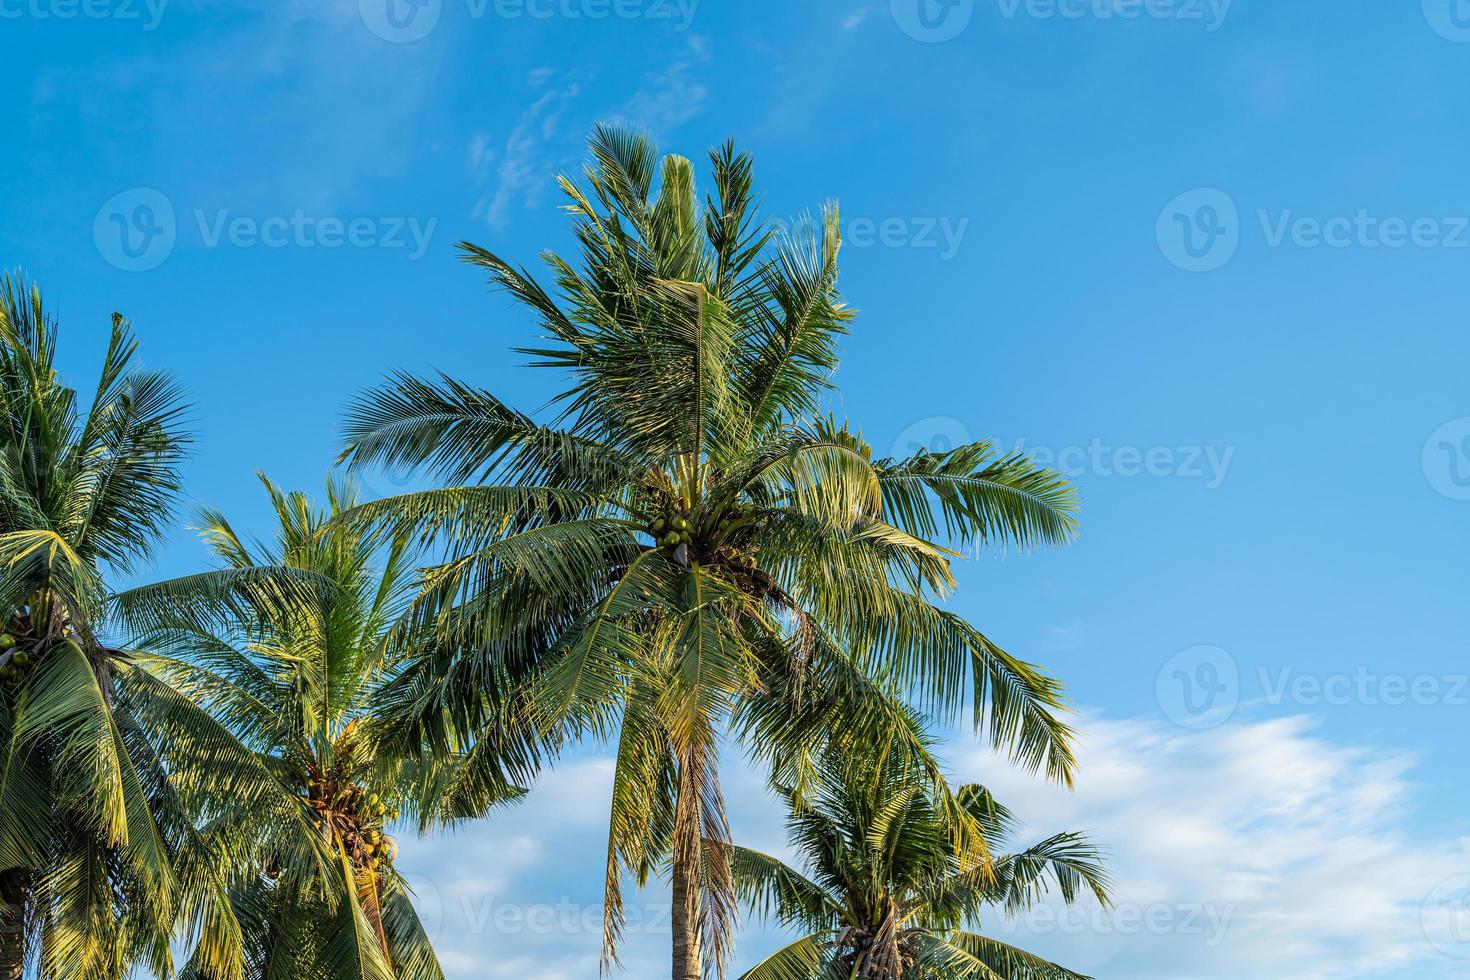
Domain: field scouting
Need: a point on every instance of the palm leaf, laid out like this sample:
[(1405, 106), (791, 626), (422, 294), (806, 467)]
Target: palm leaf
[(804, 959), (968, 955)]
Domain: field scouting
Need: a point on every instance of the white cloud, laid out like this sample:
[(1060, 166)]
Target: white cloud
[(1253, 850), (854, 19), (1258, 850)]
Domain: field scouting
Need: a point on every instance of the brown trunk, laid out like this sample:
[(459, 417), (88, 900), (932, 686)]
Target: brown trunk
[(14, 890), (686, 857), (685, 920)]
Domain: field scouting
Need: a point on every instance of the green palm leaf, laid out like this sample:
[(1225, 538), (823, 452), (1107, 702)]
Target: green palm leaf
[(804, 959), (968, 955)]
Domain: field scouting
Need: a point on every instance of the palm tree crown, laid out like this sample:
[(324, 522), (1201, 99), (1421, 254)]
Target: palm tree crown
[(311, 867), (689, 548), (89, 884), (885, 897)]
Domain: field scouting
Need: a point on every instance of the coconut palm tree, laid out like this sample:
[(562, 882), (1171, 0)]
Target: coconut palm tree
[(885, 897), (688, 549), (97, 861), (295, 683)]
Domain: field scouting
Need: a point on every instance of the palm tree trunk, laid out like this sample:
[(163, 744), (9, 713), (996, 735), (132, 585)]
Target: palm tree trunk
[(685, 920), (685, 872), (14, 891)]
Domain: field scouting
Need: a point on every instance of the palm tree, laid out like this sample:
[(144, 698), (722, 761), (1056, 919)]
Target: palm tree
[(688, 548), (97, 862), (886, 898), (295, 684)]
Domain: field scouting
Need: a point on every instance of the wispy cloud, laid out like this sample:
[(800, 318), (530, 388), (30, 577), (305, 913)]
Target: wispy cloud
[(547, 136), (1070, 637), (536, 146), (669, 96)]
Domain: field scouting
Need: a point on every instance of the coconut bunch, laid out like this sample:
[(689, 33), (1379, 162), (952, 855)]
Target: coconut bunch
[(724, 538), (348, 812), (19, 649), (354, 816), (887, 952), (706, 538)]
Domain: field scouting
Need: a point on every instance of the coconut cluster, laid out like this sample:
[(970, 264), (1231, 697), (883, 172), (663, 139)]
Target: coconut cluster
[(354, 816), (885, 949), (726, 540), (19, 650)]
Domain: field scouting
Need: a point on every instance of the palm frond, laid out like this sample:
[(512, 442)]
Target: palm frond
[(968, 955), (981, 498), (770, 888), (805, 959)]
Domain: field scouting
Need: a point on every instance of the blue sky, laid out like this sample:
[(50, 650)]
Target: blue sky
[(1209, 256)]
